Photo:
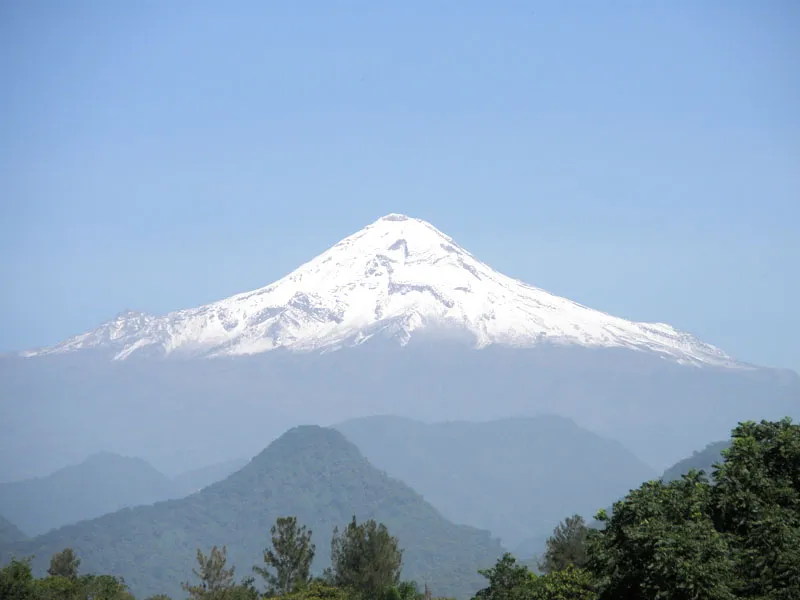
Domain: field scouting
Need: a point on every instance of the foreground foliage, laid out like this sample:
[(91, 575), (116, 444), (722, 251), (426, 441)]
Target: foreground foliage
[(509, 580), (365, 559), (567, 545), (290, 557), (18, 583)]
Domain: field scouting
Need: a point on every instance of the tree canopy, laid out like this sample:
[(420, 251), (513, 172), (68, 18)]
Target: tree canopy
[(365, 559), (290, 557), (733, 535), (567, 545)]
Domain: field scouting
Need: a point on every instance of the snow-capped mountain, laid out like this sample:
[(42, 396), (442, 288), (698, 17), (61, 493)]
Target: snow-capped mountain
[(396, 276)]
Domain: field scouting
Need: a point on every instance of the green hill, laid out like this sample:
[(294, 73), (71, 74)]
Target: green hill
[(515, 477), (101, 484), (9, 533), (310, 472), (703, 460)]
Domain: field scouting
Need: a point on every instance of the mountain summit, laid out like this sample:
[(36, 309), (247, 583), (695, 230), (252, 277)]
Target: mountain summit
[(393, 278)]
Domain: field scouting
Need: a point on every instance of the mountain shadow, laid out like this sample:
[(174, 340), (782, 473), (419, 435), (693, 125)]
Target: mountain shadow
[(310, 472), (515, 477)]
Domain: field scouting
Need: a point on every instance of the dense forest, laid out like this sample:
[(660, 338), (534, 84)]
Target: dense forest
[(731, 534), (44, 503), (101, 484)]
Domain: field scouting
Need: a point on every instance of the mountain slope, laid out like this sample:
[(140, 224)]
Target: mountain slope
[(195, 480), (393, 278), (9, 533), (101, 484), (704, 460), (310, 472), (515, 477)]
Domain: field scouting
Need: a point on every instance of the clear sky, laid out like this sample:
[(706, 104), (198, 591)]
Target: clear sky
[(642, 158)]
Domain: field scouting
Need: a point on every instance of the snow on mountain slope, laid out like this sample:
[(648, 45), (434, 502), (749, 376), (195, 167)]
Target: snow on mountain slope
[(394, 277)]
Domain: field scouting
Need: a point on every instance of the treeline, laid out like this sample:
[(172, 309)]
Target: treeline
[(736, 536), (366, 564)]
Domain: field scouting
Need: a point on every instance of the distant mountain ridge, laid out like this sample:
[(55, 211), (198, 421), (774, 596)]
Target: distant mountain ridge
[(515, 477), (186, 414), (310, 472), (103, 483), (394, 278)]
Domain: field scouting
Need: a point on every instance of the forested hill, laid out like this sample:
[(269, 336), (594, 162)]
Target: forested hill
[(703, 460), (101, 484), (9, 533), (310, 472)]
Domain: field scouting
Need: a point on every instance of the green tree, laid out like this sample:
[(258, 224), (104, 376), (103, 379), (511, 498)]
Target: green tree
[(567, 545), (291, 556), (64, 564), (103, 587), (405, 590), (756, 501), (215, 579), (245, 590), (318, 590), (365, 559), (508, 580), (16, 580), (660, 543), (58, 588), (569, 583), (738, 537)]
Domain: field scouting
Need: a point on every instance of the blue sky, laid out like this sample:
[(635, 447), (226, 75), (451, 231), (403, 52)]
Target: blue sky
[(642, 158)]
